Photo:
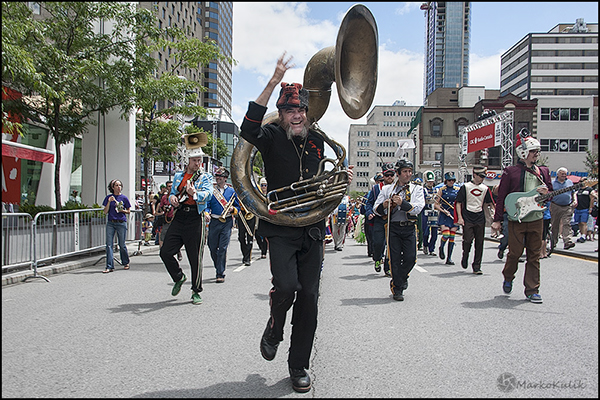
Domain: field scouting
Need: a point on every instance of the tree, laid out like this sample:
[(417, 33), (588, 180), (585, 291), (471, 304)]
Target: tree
[(591, 164), (158, 133), (65, 61), (72, 72)]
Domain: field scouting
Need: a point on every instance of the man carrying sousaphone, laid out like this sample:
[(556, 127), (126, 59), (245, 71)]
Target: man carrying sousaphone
[(291, 152)]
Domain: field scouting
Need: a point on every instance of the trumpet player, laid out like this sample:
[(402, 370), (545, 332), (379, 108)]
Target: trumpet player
[(445, 198), (291, 152), (400, 204), (223, 206)]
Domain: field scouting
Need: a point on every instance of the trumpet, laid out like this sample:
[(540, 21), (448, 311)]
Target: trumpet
[(226, 209)]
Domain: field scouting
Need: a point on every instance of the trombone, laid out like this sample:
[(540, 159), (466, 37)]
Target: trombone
[(438, 197), (248, 216), (226, 209)]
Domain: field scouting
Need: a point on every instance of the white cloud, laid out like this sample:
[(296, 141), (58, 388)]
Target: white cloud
[(485, 71), (407, 7), (264, 30)]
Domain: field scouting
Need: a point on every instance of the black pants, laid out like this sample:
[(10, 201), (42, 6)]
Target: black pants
[(403, 254), (378, 235), (245, 238), (296, 269), (187, 229), (473, 232), (368, 228)]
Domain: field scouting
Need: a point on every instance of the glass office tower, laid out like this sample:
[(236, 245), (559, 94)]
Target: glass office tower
[(447, 43)]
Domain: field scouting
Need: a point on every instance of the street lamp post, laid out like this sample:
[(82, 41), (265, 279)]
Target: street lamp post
[(380, 159)]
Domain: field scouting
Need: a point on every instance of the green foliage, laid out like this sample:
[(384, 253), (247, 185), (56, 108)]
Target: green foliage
[(73, 205), (591, 164), (33, 210), (69, 72)]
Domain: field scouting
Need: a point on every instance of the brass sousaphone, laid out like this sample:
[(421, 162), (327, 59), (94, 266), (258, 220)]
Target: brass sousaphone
[(352, 64)]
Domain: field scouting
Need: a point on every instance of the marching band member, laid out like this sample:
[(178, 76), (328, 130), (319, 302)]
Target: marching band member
[(245, 222), (525, 176), (260, 239), (222, 206), (378, 232), (445, 198), (430, 229), (190, 193), (339, 222), (400, 204)]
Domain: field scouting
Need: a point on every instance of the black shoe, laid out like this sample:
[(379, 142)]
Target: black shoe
[(569, 246), (268, 344), (501, 254), (449, 262), (398, 296), (300, 380), (464, 263), (477, 272), (441, 253), (388, 274)]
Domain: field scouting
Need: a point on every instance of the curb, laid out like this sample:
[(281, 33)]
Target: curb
[(63, 266)]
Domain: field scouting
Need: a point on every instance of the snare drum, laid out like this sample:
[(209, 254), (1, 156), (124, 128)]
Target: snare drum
[(432, 217)]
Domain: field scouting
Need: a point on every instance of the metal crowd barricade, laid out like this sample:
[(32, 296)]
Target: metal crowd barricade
[(58, 234), (17, 241), (52, 235)]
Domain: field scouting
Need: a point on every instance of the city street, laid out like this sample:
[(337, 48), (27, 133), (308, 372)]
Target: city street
[(456, 334)]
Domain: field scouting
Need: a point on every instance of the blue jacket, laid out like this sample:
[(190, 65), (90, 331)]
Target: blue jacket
[(203, 186), (214, 205)]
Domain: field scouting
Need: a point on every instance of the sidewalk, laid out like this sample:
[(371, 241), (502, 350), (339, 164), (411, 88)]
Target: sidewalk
[(97, 259), (581, 250)]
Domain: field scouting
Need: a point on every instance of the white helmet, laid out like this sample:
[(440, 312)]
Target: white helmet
[(428, 176), (525, 144), (197, 152)]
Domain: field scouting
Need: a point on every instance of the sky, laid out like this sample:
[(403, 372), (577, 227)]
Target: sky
[(263, 31)]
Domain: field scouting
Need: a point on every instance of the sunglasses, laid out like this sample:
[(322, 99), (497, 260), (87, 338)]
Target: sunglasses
[(388, 175)]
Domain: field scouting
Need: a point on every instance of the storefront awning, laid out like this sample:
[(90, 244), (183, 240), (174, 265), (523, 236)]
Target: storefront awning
[(18, 150)]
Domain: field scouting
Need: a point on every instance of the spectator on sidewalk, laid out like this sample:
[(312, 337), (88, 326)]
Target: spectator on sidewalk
[(583, 209), (561, 210), (116, 207)]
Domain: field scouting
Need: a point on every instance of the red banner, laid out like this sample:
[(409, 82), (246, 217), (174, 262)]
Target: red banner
[(482, 138)]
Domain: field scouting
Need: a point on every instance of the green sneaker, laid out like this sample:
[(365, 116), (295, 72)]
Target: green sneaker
[(177, 286), (196, 299), (377, 266)]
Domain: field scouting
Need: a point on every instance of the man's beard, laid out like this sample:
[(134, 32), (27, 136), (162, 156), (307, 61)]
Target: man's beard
[(290, 132)]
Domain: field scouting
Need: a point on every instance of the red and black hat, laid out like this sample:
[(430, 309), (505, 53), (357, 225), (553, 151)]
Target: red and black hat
[(292, 95)]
